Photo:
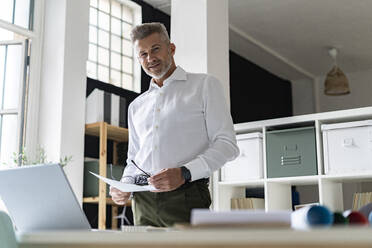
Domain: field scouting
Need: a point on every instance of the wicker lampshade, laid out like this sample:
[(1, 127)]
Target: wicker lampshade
[(336, 83)]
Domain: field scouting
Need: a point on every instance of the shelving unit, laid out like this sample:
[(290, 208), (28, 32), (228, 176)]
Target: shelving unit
[(105, 132), (278, 190)]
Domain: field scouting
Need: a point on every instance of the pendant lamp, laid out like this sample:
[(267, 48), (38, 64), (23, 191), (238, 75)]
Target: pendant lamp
[(336, 82)]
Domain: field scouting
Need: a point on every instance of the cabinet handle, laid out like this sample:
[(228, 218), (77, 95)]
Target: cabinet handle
[(284, 161), (290, 148), (348, 142)]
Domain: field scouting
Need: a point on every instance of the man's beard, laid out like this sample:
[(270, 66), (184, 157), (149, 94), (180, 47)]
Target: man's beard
[(163, 72)]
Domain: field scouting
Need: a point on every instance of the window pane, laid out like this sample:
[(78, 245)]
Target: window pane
[(104, 5), (2, 63), (103, 20), (9, 139), (103, 38), (92, 52), (126, 30), (91, 70), (93, 3), (103, 73), (93, 16), (115, 61), (115, 78), (6, 10), (13, 74), (116, 9), (6, 35), (127, 48), (127, 14), (127, 65), (103, 56), (22, 13), (115, 43), (93, 34), (127, 81), (115, 26)]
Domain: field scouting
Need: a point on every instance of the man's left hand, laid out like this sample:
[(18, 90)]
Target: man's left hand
[(167, 180)]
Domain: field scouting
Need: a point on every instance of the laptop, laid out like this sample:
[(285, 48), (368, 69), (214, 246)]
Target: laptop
[(39, 197)]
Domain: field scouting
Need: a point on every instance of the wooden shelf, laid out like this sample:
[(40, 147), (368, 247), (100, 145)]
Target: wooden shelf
[(108, 201), (114, 133), (105, 132)]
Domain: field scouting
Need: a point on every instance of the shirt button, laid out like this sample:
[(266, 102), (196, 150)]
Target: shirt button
[(156, 126), (158, 109), (155, 147)]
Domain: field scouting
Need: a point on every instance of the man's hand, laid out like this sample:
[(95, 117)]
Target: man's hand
[(167, 180), (119, 197)]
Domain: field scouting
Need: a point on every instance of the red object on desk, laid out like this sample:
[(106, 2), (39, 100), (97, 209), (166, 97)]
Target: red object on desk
[(356, 218)]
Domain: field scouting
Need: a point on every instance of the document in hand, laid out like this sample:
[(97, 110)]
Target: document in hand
[(125, 187), (253, 218)]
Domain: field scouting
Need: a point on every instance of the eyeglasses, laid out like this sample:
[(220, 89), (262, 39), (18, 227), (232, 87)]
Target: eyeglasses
[(134, 163)]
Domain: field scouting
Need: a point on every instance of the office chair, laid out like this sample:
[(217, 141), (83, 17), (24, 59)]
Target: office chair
[(7, 234)]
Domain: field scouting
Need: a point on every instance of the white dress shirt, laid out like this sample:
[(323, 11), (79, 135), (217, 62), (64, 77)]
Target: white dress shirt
[(186, 122)]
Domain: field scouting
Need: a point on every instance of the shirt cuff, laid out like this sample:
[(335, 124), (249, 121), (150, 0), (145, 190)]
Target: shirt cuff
[(198, 169)]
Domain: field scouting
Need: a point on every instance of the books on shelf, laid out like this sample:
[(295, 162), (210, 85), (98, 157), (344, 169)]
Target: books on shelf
[(247, 203), (361, 199)]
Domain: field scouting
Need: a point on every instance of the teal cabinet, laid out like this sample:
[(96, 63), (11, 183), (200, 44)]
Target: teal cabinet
[(291, 152)]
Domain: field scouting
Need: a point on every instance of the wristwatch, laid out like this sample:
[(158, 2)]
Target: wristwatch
[(186, 174)]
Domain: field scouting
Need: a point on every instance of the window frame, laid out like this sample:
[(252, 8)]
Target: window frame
[(136, 68), (31, 90)]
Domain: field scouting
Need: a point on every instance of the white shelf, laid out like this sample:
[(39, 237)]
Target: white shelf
[(303, 180), (278, 190), (248, 183)]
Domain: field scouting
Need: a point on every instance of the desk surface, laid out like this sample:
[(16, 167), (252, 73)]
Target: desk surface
[(235, 238)]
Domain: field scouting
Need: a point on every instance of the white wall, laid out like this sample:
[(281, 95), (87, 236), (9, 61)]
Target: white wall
[(202, 42), (63, 85), (303, 99), (360, 96)]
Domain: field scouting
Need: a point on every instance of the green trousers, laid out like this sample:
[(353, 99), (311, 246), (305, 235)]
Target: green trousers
[(167, 208)]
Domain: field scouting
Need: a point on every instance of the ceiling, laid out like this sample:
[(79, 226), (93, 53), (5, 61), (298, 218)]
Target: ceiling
[(291, 38)]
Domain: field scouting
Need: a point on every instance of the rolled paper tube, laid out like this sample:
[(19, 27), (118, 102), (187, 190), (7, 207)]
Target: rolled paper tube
[(366, 210), (356, 218), (370, 218), (339, 219), (312, 216)]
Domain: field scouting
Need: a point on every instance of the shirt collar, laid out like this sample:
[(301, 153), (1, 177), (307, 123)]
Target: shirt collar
[(179, 74)]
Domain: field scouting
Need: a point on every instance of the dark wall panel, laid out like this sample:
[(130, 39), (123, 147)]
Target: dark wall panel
[(256, 94)]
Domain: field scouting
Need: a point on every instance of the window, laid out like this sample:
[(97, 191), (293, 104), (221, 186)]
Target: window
[(16, 35), (111, 57)]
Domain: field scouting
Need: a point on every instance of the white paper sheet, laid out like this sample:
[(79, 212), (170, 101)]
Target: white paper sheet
[(208, 217), (125, 187)]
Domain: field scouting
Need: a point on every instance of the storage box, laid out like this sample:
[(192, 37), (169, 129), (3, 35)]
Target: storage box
[(248, 165), (90, 188), (104, 106), (291, 152), (347, 147)]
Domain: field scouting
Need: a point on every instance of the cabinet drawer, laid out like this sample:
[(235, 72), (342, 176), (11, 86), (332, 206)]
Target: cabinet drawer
[(291, 152), (248, 165), (347, 147)]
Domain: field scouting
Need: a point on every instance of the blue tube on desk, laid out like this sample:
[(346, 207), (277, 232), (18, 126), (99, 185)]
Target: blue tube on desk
[(312, 216), (370, 218)]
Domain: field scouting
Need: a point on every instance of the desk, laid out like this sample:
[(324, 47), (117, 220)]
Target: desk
[(206, 238)]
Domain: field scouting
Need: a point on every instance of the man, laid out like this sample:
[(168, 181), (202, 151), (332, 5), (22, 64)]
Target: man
[(180, 131)]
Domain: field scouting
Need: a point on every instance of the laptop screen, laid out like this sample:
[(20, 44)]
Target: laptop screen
[(40, 198)]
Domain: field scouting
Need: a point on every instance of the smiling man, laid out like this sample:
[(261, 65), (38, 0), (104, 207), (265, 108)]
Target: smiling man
[(180, 132)]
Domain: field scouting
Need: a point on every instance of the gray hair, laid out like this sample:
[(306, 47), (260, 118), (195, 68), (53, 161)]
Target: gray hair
[(141, 31)]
